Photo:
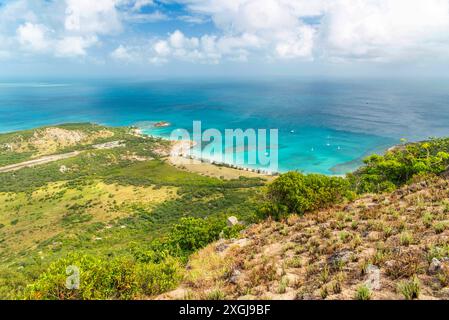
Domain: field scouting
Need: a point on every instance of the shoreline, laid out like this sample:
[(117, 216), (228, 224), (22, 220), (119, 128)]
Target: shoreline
[(180, 156)]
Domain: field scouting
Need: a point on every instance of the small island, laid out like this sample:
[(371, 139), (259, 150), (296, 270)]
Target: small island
[(162, 124)]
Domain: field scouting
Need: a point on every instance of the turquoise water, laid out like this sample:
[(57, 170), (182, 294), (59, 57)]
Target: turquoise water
[(325, 126)]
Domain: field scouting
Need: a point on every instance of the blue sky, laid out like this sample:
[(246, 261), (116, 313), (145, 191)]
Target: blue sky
[(223, 37)]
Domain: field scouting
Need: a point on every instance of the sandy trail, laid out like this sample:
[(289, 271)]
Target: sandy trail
[(40, 161)]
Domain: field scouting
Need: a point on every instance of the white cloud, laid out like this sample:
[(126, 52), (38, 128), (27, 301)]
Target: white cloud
[(193, 19), (130, 54), (139, 4), (323, 30), (87, 16), (206, 49), (275, 23), (33, 36), (162, 48), (299, 45), (121, 53), (74, 46), (152, 17), (382, 30)]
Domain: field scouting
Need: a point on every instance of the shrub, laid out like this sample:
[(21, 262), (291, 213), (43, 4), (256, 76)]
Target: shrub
[(410, 289), (363, 293), (191, 234), (406, 238), (118, 278), (157, 278), (400, 165), (216, 294), (294, 192)]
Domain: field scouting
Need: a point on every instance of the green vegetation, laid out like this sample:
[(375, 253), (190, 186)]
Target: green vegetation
[(399, 165), (363, 293), (294, 192), (123, 206), (410, 289), (118, 278), (129, 221)]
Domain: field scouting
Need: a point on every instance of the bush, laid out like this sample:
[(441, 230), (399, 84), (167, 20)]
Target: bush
[(400, 165), (410, 289), (191, 234), (363, 293), (294, 192), (158, 278), (118, 278)]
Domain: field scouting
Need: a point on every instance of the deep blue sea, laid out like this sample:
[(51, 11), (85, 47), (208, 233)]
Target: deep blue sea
[(325, 126)]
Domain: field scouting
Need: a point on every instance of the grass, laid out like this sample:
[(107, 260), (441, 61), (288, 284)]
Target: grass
[(109, 207), (410, 289), (105, 205), (363, 293), (403, 251)]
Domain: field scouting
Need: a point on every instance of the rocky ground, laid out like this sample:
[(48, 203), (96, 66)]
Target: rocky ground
[(392, 246)]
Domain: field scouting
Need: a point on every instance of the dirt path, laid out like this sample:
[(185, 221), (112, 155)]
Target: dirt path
[(36, 162)]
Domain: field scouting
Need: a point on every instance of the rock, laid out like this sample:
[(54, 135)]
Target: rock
[(373, 277), (390, 264), (435, 266), (234, 278), (241, 242), (444, 292), (373, 236), (292, 278), (232, 221), (63, 169), (221, 247), (340, 257)]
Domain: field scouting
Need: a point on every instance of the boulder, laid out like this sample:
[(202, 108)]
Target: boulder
[(232, 221), (435, 266), (438, 265), (373, 277), (222, 246), (235, 275), (340, 257)]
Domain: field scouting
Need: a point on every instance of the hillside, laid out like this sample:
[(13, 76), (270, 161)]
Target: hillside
[(335, 253), (111, 207), (114, 196)]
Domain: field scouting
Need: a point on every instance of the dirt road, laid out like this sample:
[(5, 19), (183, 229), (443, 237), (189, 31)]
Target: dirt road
[(36, 162)]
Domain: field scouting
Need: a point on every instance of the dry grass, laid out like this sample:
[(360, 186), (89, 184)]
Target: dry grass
[(326, 254)]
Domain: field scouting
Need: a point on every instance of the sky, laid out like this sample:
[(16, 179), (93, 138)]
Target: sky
[(223, 37)]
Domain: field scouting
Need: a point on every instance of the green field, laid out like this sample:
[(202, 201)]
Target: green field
[(103, 203)]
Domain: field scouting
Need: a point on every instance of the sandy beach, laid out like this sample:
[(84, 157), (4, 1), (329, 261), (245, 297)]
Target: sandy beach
[(181, 158)]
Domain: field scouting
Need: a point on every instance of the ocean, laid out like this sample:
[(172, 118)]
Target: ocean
[(325, 125)]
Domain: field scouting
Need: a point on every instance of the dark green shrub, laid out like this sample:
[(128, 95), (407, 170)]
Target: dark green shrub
[(191, 234), (294, 192), (118, 278), (398, 166)]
